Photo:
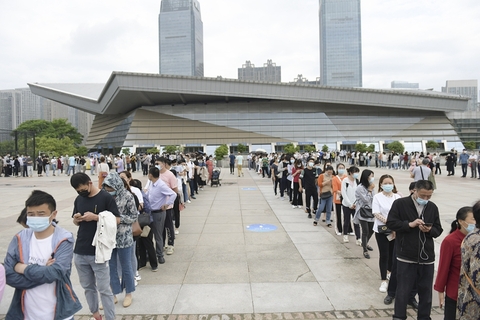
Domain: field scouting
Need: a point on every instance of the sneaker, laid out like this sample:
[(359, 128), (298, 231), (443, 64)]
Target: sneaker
[(138, 277), (345, 239), (388, 276), (366, 255), (338, 233), (309, 216), (351, 233), (383, 286), (176, 231), (359, 242), (188, 201), (155, 269), (136, 282), (282, 198), (170, 250), (294, 207)]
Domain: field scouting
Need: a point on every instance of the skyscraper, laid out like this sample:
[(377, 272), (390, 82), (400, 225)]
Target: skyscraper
[(270, 72), (180, 30), (468, 88), (340, 43)]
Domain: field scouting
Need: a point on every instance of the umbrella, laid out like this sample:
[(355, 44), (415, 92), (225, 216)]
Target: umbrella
[(260, 151), (446, 153)]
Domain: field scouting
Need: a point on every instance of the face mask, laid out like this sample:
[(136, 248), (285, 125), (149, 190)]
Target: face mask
[(421, 201), (371, 180), (84, 193), (159, 167), (356, 175), (113, 193), (341, 171), (470, 227), (310, 164), (387, 187), (299, 165), (38, 224), (292, 161)]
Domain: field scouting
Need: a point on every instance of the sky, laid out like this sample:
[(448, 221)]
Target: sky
[(58, 41)]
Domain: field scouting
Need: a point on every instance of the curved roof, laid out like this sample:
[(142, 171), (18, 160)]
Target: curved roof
[(126, 91)]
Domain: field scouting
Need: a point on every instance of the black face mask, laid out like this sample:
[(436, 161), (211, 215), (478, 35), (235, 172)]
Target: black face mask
[(83, 193)]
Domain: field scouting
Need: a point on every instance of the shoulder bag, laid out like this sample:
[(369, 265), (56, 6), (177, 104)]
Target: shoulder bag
[(366, 212)]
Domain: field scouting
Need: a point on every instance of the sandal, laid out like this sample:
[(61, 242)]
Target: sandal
[(315, 223)]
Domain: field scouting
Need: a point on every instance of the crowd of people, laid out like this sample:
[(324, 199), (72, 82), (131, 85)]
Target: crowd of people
[(111, 244)]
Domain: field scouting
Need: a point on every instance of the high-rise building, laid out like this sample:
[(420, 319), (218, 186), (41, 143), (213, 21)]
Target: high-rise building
[(180, 30), (404, 85), (340, 43), (467, 88), (269, 72)]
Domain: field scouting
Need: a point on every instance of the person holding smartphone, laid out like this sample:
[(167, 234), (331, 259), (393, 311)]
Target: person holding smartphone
[(416, 221)]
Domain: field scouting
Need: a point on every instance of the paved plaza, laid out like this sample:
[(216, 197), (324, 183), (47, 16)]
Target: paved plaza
[(223, 269)]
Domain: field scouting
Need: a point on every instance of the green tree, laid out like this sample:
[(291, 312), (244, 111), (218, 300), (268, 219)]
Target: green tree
[(170, 149), (325, 148), (289, 148), (241, 148), (371, 148), (470, 145), (396, 146), (309, 149), (221, 152), (58, 128), (56, 146), (7, 147), (82, 151), (432, 144), (126, 151), (361, 147), (153, 150)]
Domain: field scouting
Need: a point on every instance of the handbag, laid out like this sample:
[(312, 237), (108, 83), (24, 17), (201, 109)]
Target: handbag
[(325, 195), (366, 212), (384, 230), (143, 219), (136, 230)]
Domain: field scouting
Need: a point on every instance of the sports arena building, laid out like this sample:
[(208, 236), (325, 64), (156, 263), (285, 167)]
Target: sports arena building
[(141, 111)]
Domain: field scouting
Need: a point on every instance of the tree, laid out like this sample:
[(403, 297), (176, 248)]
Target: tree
[(470, 145), (361, 147), (7, 147), (309, 149), (56, 147), (289, 148), (126, 151), (221, 152), (153, 150), (396, 146), (432, 144), (82, 151), (241, 148), (325, 148), (371, 148), (170, 149), (58, 129)]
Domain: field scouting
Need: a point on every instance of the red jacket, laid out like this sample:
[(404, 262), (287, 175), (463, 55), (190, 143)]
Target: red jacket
[(448, 273)]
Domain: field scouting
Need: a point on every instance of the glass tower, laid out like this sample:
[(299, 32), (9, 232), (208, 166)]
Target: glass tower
[(180, 30), (340, 43)]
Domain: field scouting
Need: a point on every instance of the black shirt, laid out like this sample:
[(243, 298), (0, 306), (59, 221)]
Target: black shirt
[(309, 178), (102, 201)]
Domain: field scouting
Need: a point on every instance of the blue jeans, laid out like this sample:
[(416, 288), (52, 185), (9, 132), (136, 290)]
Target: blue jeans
[(70, 168), (95, 279), (128, 277), (325, 205)]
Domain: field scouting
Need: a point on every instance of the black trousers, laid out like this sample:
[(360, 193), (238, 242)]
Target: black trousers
[(145, 169), (169, 230), (367, 233), (450, 309), (275, 184), (407, 275), (232, 168), (338, 214), (385, 250), (347, 226), (144, 247), (311, 193), (297, 195), (464, 169)]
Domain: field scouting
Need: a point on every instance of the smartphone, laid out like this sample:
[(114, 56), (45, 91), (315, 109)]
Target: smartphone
[(428, 224)]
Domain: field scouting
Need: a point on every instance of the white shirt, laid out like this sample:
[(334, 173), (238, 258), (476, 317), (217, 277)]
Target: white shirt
[(381, 204), (40, 301)]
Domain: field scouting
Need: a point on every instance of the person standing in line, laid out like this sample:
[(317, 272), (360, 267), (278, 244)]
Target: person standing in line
[(464, 162), (448, 274), (297, 201), (337, 195), (307, 182), (421, 172), (364, 198), (472, 162), (416, 221), (239, 160), (436, 160), (468, 304), (39, 263), (349, 186), (94, 277), (381, 205), (232, 163), (324, 183)]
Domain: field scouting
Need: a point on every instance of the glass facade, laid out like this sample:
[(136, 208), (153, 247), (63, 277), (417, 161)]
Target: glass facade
[(340, 43), (180, 38)]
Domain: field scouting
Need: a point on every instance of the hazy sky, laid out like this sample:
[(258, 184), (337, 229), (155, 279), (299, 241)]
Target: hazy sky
[(51, 41)]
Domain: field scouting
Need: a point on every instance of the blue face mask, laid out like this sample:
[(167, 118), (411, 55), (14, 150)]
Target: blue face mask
[(371, 180), (38, 224), (387, 187), (470, 228), (356, 175), (421, 201), (341, 171), (113, 193)]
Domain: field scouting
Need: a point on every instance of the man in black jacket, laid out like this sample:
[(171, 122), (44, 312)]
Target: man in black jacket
[(416, 222)]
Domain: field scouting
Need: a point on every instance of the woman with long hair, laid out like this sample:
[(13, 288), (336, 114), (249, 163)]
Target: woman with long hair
[(297, 169), (337, 195), (349, 186), (324, 182), (364, 197), (103, 171), (448, 274), (382, 202)]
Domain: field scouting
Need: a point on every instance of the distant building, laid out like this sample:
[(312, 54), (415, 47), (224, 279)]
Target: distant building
[(300, 79), (180, 31), (20, 105), (270, 72), (466, 88), (340, 43), (404, 85)]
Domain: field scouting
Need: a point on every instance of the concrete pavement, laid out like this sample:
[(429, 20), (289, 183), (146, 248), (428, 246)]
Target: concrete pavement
[(221, 269)]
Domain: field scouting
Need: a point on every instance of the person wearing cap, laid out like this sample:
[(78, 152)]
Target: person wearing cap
[(421, 172)]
